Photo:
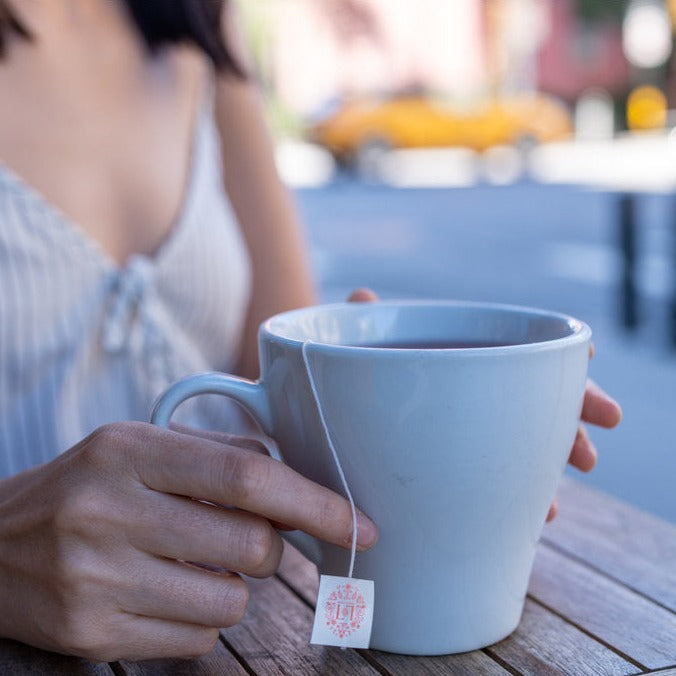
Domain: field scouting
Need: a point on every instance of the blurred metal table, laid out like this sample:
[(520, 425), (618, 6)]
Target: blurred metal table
[(602, 600)]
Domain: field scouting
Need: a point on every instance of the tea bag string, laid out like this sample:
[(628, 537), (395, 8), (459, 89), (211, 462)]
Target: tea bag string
[(336, 460)]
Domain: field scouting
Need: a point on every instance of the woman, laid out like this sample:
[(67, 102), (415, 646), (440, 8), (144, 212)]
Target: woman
[(128, 130)]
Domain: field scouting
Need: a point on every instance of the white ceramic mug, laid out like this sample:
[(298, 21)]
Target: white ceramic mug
[(452, 421)]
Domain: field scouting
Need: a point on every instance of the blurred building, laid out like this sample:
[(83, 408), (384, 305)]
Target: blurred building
[(341, 47), (577, 55), (464, 49)]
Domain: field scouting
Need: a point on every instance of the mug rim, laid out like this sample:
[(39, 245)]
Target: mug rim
[(579, 330)]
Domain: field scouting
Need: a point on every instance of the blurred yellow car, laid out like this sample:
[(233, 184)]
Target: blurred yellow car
[(417, 121)]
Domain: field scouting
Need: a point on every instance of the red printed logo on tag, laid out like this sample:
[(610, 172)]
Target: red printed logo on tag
[(345, 610)]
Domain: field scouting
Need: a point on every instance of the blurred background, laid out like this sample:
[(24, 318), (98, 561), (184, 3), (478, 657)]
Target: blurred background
[(520, 151)]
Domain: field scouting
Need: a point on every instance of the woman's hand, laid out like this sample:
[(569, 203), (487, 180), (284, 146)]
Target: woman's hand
[(362, 295), (95, 545)]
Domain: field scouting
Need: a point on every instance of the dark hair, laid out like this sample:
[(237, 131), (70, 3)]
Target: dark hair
[(10, 24), (160, 23)]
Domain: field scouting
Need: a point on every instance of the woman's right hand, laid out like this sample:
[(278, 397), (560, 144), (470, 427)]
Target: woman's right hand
[(94, 545)]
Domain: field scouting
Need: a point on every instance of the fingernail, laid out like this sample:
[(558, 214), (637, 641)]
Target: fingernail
[(618, 413), (367, 532)]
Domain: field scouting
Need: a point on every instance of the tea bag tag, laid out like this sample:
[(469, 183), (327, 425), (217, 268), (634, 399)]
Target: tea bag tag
[(344, 611)]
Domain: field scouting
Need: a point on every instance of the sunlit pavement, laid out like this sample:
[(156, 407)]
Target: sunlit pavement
[(627, 162), (547, 237)]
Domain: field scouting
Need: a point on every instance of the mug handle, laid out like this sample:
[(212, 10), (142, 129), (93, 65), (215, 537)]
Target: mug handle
[(253, 396)]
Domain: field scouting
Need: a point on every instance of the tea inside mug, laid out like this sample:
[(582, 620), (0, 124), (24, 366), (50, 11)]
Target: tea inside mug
[(434, 344)]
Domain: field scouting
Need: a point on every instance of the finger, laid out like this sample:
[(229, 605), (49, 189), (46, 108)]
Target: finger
[(592, 350), (143, 638), (180, 528), (598, 408), (553, 511), (223, 438), (583, 454), (179, 592), (219, 473), (362, 295)]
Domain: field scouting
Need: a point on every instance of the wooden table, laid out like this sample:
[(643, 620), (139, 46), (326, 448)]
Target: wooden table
[(602, 600)]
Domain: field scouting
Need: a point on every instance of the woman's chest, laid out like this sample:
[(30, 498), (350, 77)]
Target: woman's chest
[(115, 160)]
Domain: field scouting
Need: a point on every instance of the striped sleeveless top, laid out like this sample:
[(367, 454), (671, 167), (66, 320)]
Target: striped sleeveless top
[(84, 341)]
